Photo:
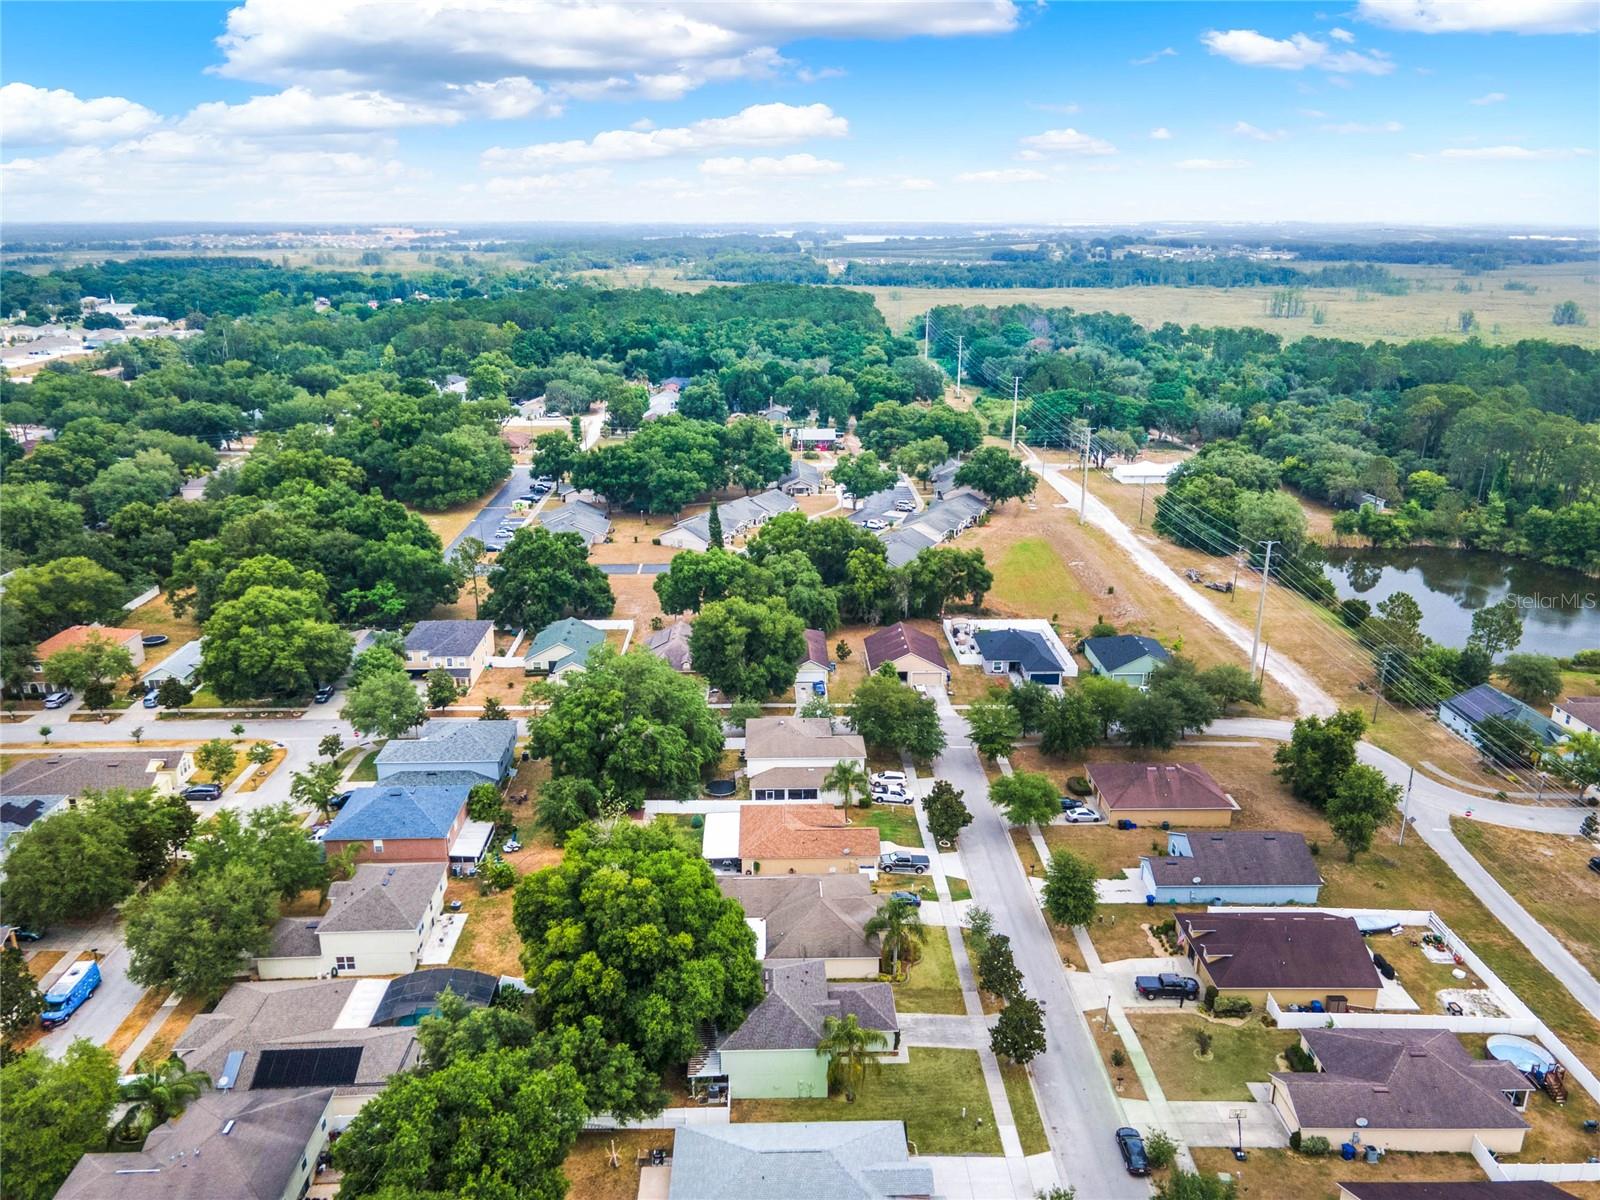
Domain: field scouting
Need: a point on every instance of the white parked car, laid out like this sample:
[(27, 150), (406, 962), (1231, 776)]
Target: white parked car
[(905, 506), (1078, 814), (874, 523), (888, 777)]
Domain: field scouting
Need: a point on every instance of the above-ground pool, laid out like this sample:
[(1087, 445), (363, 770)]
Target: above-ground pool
[(720, 787), (1519, 1052)]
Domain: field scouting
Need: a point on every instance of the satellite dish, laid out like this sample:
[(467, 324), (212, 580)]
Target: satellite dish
[(1196, 879), (1361, 1122)]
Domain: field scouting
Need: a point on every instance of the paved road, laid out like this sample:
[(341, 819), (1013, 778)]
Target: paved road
[(1080, 1110), (490, 515), (116, 997), (656, 568)]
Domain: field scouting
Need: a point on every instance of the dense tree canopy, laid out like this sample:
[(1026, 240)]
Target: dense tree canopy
[(542, 577)]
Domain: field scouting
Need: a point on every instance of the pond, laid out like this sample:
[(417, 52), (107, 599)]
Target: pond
[(1560, 608)]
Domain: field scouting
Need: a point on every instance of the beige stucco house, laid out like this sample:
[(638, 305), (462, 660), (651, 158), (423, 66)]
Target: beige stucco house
[(377, 923), (1295, 957), (787, 758)]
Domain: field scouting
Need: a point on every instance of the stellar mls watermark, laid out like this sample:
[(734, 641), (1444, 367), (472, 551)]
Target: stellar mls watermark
[(1559, 600)]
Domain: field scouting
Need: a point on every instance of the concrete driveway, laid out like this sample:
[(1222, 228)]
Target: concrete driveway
[(1123, 972)]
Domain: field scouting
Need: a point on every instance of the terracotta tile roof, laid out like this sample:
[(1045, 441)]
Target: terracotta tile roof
[(783, 831), (77, 635), (899, 640), (1174, 786), (1281, 950)]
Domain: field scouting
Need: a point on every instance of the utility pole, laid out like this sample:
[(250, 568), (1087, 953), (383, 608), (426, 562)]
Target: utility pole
[(1083, 500), (1405, 807), (926, 318), (960, 362), (1261, 608), (1141, 500), (1016, 386)]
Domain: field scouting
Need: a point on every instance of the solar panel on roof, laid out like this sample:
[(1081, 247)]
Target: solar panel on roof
[(321, 1066)]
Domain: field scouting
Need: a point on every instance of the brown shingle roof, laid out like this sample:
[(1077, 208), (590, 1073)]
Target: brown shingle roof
[(1281, 950), (1176, 787), (1585, 708), (899, 640), (799, 737), (1401, 1079), (816, 648), (781, 831), (809, 916), (1464, 1189)]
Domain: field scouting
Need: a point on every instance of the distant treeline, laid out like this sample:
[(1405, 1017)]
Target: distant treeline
[(1467, 256)]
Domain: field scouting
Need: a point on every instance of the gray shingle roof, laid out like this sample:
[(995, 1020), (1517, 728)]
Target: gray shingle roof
[(824, 1160), (800, 737), (380, 897), (387, 811), (672, 644), (73, 772), (452, 740), (1240, 858), (799, 999), (19, 812), (1401, 1079), (1023, 646), (903, 545), (1114, 653), (255, 1159), (1465, 1189), (800, 471), (466, 780), (447, 639), (809, 916)]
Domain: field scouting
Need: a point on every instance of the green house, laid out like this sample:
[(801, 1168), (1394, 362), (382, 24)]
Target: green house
[(1127, 657), (773, 1054), (563, 646)]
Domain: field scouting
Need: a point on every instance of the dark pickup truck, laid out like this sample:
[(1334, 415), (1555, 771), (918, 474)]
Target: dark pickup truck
[(1167, 987)]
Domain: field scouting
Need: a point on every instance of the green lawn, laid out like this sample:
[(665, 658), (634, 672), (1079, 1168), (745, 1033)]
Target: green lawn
[(367, 771), (1031, 577), (929, 1094), (959, 890), (932, 986), (682, 824), (1239, 1054), (895, 823), (1024, 1109)]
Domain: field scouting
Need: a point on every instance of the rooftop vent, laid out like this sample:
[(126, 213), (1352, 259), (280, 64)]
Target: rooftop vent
[(227, 1127)]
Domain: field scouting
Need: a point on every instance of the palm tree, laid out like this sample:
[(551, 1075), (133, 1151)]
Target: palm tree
[(160, 1093), (849, 1048), (848, 780), (901, 926)]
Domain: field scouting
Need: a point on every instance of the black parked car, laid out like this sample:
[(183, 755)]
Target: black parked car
[(324, 693), (1132, 1147), (1594, 864), (203, 791)]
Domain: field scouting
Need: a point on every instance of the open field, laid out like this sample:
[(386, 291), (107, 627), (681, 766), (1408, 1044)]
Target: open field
[(929, 1094), (1549, 876), (1240, 1054), (1352, 314)]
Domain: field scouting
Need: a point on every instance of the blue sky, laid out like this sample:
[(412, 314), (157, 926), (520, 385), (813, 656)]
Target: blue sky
[(1395, 111)]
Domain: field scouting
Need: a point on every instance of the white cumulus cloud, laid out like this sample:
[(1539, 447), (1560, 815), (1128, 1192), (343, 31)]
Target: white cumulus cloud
[(1211, 164), (1483, 16), (757, 125), (788, 165), (1364, 127), (1341, 35), (33, 116), (1294, 53), (1488, 98), (1246, 130), (1068, 141), (1004, 175), (1513, 153), (1161, 134)]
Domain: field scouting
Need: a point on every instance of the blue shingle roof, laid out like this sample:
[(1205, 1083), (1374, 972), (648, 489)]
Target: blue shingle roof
[(1021, 646), (395, 812), (1114, 653)]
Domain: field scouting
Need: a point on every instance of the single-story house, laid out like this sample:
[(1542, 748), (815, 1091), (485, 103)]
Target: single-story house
[(260, 1025), (74, 637), (942, 478), (1024, 653), (1403, 1089), (377, 923), (880, 506), (1232, 867), (773, 1052), (1578, 714), (562, 647), (661, 404), (839, 1160), (736, 517), (776, 414), (787, 758), (461, 647), (393, 824), (1125, 656), (1295, 957), (815, 669), (1161, 793), (916, 656), (949, 515), (804, 839), (18, 814), (183, 664), (485, 748), (456, 384), (516, 440), (1465, 711), (1463, 1189), (900, 546), (247, 1145), (819, 917), (671, 644), (814, 439), (587, 520), (801, 479), (73, 772)]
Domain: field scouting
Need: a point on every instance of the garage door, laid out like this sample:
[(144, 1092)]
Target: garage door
[(933, 680)]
